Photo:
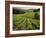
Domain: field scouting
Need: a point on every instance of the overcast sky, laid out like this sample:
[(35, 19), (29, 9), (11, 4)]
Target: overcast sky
[(24, 8)]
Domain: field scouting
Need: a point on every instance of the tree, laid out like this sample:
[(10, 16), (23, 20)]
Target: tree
[(36, 10), (37, 16)]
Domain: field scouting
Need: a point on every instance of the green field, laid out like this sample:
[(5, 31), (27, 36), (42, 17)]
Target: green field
[(26, 21)]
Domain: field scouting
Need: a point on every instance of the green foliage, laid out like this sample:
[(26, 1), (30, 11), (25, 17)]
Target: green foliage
[(17, 11), (36, 10), (37, 16)]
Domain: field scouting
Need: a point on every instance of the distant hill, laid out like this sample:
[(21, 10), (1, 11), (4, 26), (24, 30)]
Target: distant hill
[(22, 11)]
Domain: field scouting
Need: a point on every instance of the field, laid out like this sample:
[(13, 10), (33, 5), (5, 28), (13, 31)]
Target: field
[(26, 21)]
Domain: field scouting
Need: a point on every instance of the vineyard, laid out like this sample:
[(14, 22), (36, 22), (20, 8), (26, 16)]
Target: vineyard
[(26, 21)]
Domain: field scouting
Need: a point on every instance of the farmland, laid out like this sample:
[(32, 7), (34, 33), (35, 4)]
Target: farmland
[(26, 20)]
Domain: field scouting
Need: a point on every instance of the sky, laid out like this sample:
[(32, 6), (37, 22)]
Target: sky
[(25, 8)]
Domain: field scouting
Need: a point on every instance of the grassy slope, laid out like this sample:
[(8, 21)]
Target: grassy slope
[(25, 21)]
